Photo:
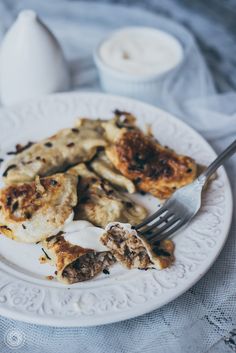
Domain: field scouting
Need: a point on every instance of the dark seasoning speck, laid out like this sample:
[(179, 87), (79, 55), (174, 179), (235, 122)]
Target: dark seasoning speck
[(49, 258), (20, 148), (15, 206), (12, 166), (9, 201), (28, 215), (106, 272)]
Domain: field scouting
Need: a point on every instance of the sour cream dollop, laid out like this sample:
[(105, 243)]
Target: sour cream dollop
[(141, 51), (84, 234)]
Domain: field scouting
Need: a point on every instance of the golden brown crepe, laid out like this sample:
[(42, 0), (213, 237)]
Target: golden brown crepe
[(140, 158), (100, 203), (30, 212), (56, 153), (74, 263), (133, 251)]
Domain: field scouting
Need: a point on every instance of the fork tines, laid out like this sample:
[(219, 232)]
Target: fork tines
[(159, 225)]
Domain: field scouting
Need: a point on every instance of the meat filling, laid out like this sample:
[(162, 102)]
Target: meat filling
[(87, 266), (133, 252)]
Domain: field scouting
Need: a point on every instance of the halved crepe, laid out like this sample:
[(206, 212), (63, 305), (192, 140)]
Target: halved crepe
[(100, 203), (56, 153), (133, 251), (30, 212), (74, 263), (140, 158), (104, 168)]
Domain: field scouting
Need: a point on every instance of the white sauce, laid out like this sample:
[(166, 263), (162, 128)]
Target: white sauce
[(84, 234), (141, 51)]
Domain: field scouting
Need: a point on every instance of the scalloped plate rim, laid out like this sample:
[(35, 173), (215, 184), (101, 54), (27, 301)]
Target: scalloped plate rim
[(90, 320)]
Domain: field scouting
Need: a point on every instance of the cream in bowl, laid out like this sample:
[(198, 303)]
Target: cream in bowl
[(134, 61), (141, 52)]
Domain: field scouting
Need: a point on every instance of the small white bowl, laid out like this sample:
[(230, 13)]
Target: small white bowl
[(145, 87)]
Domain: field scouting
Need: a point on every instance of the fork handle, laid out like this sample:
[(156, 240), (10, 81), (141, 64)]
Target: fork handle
[(227, 153)]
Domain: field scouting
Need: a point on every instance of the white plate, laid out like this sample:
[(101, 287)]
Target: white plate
[(25, 293)]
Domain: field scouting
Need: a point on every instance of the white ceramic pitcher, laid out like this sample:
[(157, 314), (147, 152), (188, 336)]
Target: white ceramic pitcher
[(31, 61)]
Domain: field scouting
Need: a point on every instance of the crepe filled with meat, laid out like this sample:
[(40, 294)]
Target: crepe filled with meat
[(100, 203), (133, 251), (140, 158), (56, 153), (32, 211), (74, 263)]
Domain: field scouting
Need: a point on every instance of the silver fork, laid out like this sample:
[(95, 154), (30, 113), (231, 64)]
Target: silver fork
[(178, 211)]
